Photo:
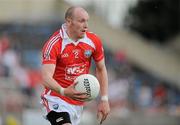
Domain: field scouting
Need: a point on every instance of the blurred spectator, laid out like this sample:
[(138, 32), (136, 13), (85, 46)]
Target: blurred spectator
[(160, 97), (27, 79), (120, 56), (21, 77), (4, 72), (9, 58), (118, 94), (145, 96), (4, 43)]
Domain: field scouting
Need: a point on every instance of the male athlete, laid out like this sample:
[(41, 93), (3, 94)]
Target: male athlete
[(66, 55)]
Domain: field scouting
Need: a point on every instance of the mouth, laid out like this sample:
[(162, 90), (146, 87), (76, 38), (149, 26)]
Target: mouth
[(83, 31)]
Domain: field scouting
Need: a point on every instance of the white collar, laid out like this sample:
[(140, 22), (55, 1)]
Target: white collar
[(63, 33)]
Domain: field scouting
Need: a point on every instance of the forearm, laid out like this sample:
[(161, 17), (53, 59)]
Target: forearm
[(103, 80), (50, 83), (48, 80)]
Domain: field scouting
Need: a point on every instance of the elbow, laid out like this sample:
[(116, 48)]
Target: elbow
[(101, 69), (45, 78)]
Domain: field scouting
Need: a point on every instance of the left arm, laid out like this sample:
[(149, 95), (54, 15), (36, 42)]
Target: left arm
[(101, 74), (103, 106)]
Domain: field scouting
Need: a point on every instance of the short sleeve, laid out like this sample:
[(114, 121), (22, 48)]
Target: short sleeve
[(51, 50), (99, 51)]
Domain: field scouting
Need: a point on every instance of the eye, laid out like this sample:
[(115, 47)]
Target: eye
[(82, 20)]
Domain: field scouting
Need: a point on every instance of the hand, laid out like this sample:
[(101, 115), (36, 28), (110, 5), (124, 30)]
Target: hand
[(103, 111), (72, 93)]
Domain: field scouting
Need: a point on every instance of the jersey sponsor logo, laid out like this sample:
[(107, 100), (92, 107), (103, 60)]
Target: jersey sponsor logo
[(72, 71), (87, 53)]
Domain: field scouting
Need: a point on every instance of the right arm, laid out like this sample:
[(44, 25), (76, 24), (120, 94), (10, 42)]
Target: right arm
[(47, 75), (50, 82)]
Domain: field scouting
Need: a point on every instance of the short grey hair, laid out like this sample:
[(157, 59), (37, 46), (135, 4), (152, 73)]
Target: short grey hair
[(69, 12)]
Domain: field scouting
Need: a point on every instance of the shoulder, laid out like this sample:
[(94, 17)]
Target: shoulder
[(53, 41), (55, 36), (92, 35), (94, 38)]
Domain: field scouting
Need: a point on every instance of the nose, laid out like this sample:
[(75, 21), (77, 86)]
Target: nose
[(86, 24)]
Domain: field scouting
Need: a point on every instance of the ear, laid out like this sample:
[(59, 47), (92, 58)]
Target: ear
[(68, 20)]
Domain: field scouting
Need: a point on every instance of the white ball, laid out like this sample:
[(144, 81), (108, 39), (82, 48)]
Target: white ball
[(89, 84)]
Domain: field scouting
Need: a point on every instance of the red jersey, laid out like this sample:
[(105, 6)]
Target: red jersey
[(71, 58)]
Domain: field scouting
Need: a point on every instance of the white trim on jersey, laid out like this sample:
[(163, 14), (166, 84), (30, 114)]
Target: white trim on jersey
[(67, 40), (50, 45), (87, 41), (64, 43), (49, 92), (61, 33), (64, 34)]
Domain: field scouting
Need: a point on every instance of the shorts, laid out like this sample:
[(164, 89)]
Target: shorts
[(53, 103)]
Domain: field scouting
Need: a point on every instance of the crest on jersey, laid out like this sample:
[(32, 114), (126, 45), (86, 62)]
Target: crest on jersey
[(55, 106), (87, 53)]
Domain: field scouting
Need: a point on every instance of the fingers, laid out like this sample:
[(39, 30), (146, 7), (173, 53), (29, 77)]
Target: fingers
[(74, 84), (79, 93), (74, 94), (80, 97), (102, 116), (74, 91), (99, 116)]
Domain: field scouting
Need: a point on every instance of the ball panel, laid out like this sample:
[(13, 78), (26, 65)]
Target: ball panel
[(89, 84)]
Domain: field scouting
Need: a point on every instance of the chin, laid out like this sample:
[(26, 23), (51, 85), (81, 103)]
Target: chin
[(81, 36)]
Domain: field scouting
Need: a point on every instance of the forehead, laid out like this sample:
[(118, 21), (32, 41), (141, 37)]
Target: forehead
[(80, 13)]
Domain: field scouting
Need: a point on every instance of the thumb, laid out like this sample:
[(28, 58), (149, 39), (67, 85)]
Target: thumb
[(74, 84)]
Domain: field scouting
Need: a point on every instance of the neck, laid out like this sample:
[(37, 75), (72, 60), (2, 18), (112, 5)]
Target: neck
[(71, 36)]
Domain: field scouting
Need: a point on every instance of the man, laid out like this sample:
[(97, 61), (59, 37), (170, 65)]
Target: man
[(66, 55)]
